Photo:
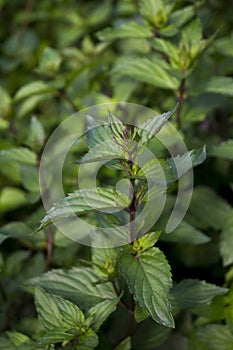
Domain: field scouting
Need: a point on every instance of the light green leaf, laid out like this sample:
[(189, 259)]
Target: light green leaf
[(207, 209), (103, 151), (34, 88), (186, 234), (190, 293), (166, 47), (150, 9), (17, 338), (96, 133), (86, 200), (5, 103), (50, 61), (18, 154), (37, 133), (116, 126), (181, 16), (30, 177), (12, 198), (192, 33), (127, 30), (152, 126), (124, 345), (183, 163), (150, 71), (77, 285), (146, 241), (223, 150), (226, 240), (149, 279), (30, 103), (100, 312)]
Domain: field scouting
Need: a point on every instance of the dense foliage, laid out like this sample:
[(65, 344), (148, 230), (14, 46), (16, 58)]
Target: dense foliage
[(165, 290)]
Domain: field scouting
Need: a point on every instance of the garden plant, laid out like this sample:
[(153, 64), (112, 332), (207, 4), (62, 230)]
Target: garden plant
[(137, 253)]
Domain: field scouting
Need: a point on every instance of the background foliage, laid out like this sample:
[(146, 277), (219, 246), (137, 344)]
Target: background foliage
[(58, 57)]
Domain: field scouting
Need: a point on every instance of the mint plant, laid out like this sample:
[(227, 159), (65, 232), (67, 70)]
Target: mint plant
[(73, 305)]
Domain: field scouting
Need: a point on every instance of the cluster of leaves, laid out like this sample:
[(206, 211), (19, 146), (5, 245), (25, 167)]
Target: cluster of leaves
[(58, 57)]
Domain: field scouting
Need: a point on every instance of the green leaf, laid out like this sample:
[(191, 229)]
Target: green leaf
[(50, 61), (5, 344), (152, 126), (37, 133), (226, 240), (181, 163), (190, 293), (88, 339), (127, 30), (5, 103), (55, 336), (192, 33), (34, 88), (2, 238), (146, 241), (17, 338), (181, 16), (15, 230), (103, 151), (214, 337), (96, 133), (216, 85), (30, 177), (150, 71), (12, 198), (124, 345), (150, 9), (149, 279), (140, 314), (207, 209), (223, 150), (85, 200), (100, 312), (47, 309), (116, 126), (186, 234), (18, 154), (72, 316), (77, 285)]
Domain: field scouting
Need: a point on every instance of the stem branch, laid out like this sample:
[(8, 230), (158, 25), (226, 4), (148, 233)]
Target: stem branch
[(180, 102)]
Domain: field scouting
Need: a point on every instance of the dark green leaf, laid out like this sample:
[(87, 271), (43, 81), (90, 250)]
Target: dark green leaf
[(226, 240), (149, 279), (186, 234), (85, 200), (224, 150), (190, 293), (100, 312), (124, 345), (77, 285)]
